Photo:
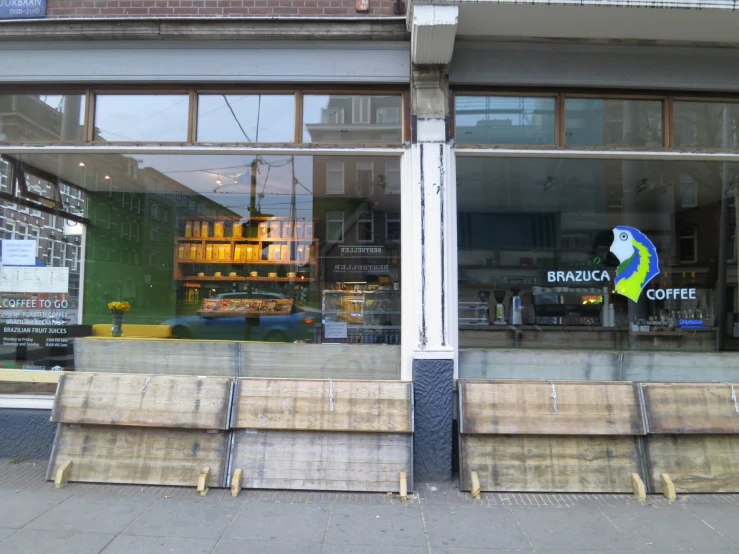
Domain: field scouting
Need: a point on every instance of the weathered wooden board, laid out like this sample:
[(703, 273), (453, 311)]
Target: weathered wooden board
[(549, 463), (321, 460), (528, 408), (317, 405), (143, 400), (164, 356), (695, 463), (237, 359), (319, 361), (139, 455), (682, 408)]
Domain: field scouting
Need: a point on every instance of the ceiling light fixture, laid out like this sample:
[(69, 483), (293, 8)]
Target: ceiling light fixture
[(82, 164)]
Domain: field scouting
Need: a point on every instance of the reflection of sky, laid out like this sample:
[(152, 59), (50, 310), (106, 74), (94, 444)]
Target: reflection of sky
[(274, 178), (233, 118), (221, 118), (144, 117)]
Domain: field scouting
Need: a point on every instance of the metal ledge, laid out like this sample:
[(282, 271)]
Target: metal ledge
[(380, 29), (27, 401)]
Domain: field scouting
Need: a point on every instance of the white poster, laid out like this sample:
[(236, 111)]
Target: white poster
[(335, 330), (19, 252), (34, 279)]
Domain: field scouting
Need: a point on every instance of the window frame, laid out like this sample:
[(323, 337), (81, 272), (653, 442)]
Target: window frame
[(363, 218), (668, 98), (192, 90), (682, 234), (335, 170), (332, 217)]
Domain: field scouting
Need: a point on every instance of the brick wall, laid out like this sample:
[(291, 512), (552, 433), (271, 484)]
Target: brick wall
[(212, 8)]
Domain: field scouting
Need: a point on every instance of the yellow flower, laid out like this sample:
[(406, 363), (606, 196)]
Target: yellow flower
[(119, 306)]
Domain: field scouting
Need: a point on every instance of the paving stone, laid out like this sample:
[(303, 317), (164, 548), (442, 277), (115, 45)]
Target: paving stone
[(570, 529), (265, 547), (724, 519), (480, 551), (372, 549), (41, 541), (185, 518), (280, 522), (377, 525), (669, 527), (473, 528), (19, 509), (132, 544), (93, 514)]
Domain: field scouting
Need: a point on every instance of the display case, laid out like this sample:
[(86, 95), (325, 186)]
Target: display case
[(267, 249), (361, 314)]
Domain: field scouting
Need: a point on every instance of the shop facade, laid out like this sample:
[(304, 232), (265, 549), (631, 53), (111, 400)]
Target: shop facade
[(438, 200)]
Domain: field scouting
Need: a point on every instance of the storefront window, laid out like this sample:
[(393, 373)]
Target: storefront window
[(28, 118), (141, 117), (613, 122), (228, 248), (246, 117), (593, 254), (505, 119)]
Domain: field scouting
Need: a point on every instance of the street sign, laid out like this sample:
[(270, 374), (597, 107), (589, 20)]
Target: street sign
[(22, 9)]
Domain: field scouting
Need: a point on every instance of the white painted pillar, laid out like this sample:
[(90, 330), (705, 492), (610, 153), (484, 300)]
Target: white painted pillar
[(430, 219)]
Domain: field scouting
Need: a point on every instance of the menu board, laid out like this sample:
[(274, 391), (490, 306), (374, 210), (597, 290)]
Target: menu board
[(34, 279)]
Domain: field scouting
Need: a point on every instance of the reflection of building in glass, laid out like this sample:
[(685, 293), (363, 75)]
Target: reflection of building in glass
[(358, 119), (29, 118), (357, 218), (55, 248), (134, 212)]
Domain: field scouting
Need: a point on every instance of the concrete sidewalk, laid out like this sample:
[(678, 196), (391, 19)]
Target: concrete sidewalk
[(87, 519)]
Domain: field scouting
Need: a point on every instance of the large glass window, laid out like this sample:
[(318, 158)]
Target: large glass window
[(593, 254), (613, 122), (505, 119), (141, 117), (706, 124), (254, 249), (336, 119), (246, 118)]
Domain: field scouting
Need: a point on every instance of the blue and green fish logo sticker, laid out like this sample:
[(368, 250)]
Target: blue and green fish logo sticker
[(639, 261)]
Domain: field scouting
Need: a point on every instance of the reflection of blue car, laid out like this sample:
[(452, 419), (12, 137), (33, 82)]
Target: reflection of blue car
[(291, 327)]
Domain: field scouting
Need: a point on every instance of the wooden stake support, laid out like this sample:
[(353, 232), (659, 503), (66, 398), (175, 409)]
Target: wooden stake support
[(403, 485), (203, 481), (637, 485), (62, 475), (668, 487), (236, 482), (475, 485)]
